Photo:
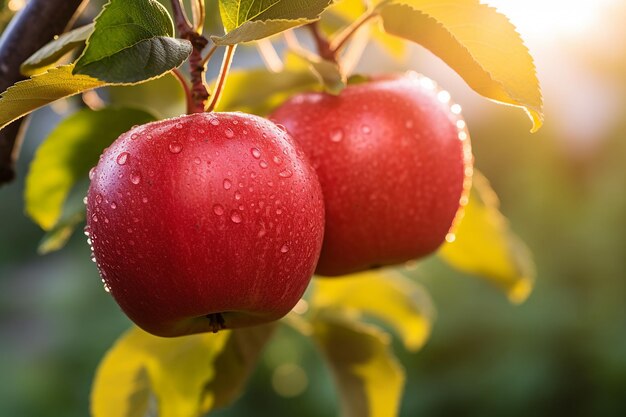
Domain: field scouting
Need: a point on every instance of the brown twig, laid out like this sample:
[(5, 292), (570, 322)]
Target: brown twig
[(32, 28), (324, 49), (199, 91)]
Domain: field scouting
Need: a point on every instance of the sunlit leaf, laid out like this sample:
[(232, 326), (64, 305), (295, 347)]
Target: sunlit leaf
[(485, 246), (383, 294), (258, 91), (479, 43), (40, 90), (68, 153), (368, 376), (250, 20), (54, 50), (132, 42), (175, 377)]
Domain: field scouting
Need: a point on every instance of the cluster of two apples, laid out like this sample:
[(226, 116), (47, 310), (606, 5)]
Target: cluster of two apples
[(219, 220)]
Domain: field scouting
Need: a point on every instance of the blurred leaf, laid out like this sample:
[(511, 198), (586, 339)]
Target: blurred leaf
[(369, 378), (340, 14), (54, 50), (485, 245), (259, 91), (40, 90), (185, 376), (382, 294), (479, 43), (68, 153), (250, 20), (162, 96), (57, 238), (132, 42)]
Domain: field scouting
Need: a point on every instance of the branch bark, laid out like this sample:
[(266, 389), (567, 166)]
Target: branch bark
[(30, 29)]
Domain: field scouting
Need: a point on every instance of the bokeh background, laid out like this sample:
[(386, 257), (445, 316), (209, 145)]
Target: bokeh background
[(562, 353)]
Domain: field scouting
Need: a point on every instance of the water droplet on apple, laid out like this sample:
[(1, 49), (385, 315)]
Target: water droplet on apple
[(92, 173), (336, 135), (113, 205), (135, 177), (197, 161), (87, 230), (263, 164), (175, 147), (285, 173), (235, 217), (281, 127), (277, 160), (256, 153), (214, 121), (409, 124), (98, 198), (227, 184), (179, 125), (237, 195), (94, 218), (218, 209), (229, 133), (134, 136), (122, 158), (366, 129), (284, 249)]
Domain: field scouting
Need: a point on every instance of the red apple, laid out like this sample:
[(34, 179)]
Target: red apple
[(394, 161), (204, 222)]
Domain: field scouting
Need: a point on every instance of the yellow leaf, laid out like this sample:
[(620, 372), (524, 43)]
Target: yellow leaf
[(174, 377), (369, 378), (40, 90), (479, 43), (485, 246), (383, 294)]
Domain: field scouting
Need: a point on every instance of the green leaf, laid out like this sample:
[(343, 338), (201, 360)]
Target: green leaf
[(54, 50), (382, 294), (485, 246), (57, 238), (40, 90), (175, 377), (479, 43), (132, 42), (68, 153), (369, 378), (259, 91), (250, 20)]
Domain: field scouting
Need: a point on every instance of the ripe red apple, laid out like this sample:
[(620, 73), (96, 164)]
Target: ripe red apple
[(394, 161), (204, 222)]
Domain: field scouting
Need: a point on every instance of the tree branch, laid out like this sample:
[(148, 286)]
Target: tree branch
[(30, 29)]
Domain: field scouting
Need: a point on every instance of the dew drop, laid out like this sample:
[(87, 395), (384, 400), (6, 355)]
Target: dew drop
[(277, 160), (98, 198), (227, 184), (235, 217), (366, 129), (256, 153), (218, 209), (229, 133), (134, 136), (336, 135), (197, 161), (285, 174), (281, 127), (92, 173), (94, 218), (135, 177), (144, 199), (214, 121), (113, 205), (263, 164), (456, 109), (85, 200), (87, 231), (284, 249), (460, 124), (175, 147), (237, 195), (122, 158), (179, 125)]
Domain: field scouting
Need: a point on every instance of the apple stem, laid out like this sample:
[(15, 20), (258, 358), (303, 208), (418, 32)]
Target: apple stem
[(197, 9), (221, 80), (216, 322), (199, 90), (340, 41), (324, 49), (188, 96)]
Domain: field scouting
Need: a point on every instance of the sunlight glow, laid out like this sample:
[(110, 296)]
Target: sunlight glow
[(540, 18)]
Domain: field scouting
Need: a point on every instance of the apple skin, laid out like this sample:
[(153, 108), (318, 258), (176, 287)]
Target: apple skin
[(395, 165), (204, 222)]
